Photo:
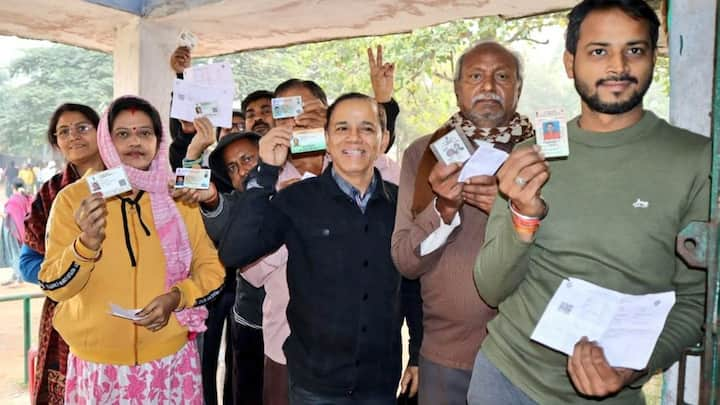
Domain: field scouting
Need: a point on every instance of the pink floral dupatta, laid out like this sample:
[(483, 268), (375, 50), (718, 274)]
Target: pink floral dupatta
[(168, 222)]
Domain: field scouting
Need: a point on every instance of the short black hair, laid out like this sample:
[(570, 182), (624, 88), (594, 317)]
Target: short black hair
[(254, 96), (135, 103), (356, 96), (86, 111), (637, 9), (235, 113), (313, 87)]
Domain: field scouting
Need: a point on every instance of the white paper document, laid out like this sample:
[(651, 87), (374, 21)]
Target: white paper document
[(121, 312), (485, 161), (211, 75), (191, 100), (625, 326)]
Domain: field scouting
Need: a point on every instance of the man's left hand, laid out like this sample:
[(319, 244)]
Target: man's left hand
[(480, 192), (591, 374), (410, 381)]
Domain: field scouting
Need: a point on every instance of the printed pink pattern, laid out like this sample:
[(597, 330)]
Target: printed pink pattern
[(174, 379)]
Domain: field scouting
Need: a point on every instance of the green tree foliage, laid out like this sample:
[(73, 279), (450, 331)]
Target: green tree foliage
[(43, 78), (34, 84), (425, 65)]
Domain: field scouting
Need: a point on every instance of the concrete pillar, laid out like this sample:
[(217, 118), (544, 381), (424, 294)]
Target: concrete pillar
[(141, 63), (691, 42)]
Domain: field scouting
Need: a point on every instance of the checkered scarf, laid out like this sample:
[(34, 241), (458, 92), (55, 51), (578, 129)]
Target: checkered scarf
[(504, 138), (168, 222)]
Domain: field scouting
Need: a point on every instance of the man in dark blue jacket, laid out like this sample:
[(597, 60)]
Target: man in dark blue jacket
[(346, 306)]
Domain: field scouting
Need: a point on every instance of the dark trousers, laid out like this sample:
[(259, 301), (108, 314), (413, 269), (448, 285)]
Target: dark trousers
[(275, 383), (301, 396), (219, 311), (248, 358)]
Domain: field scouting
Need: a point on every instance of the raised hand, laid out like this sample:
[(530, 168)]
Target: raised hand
[(382, 75), (480, 192), (180, 59), (203, 138), (444, 183), (521, 178), (275, 146), (91, 217), (314, 115)]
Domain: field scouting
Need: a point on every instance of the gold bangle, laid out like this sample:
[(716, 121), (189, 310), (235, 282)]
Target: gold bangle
[(179, 307)]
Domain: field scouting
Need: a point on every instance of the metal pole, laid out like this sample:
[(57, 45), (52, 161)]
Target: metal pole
[(26, 325), (710, 386)]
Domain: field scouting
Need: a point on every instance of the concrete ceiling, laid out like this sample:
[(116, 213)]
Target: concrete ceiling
[(234, 25)]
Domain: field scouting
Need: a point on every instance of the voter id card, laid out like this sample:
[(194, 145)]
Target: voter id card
[(286, 107), (109, 182), (551, 132), (308, 140), (192, 178)]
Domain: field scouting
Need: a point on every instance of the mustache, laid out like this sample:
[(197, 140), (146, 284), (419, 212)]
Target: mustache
[(259, 122), (488, 96), (621, 78)]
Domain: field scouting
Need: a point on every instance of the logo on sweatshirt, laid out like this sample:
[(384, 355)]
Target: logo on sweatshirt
[(641, 204)]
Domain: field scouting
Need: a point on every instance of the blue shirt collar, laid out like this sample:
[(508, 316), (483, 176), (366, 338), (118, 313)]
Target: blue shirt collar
[(352, 192)]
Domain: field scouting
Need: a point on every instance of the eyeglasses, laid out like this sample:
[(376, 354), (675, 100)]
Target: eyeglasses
[(245, 161), (238, 126), (123, 134), (81, 129)]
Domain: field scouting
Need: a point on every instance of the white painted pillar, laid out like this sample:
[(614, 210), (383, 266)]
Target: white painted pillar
[(691, 41), (141, 59)]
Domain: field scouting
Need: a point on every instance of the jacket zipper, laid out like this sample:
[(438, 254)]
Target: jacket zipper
[(135, 301)]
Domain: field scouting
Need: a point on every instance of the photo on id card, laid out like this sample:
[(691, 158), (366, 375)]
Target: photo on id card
[(551, 132)]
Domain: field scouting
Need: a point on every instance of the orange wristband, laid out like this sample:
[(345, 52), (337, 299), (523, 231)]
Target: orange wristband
[(523, 224)]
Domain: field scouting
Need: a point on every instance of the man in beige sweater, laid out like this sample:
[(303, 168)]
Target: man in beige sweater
[(440, 223)]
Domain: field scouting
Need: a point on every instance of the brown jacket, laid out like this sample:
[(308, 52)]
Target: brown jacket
[(455, 317)]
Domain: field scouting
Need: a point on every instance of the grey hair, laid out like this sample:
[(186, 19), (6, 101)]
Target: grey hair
[(472, 48)]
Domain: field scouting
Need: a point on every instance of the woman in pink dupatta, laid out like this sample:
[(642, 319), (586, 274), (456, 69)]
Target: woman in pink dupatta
[(138, 249)]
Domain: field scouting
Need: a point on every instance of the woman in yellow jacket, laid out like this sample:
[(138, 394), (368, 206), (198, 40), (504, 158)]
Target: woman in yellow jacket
[(135, 250)]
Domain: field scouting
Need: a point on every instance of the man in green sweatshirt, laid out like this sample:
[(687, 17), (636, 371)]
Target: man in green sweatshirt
[(608, 215)]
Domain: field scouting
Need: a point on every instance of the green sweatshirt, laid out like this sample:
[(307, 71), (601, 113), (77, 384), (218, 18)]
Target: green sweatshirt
[(615, 207)]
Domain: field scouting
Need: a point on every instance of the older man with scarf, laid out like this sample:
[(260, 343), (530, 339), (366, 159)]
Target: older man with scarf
[(440, 222)]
